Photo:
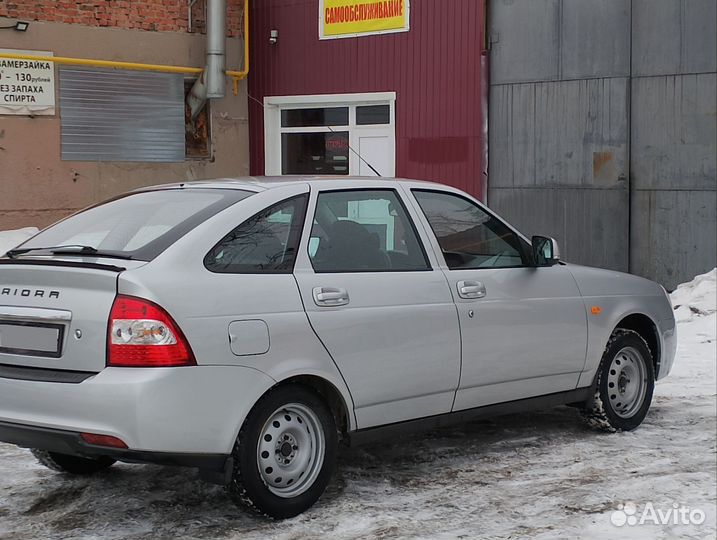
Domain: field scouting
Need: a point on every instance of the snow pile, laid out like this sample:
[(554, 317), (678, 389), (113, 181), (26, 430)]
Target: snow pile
[(696, 298), (11, 239), (695, 369)]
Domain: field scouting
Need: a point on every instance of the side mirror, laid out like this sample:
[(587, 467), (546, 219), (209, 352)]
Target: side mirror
[(545, 251)]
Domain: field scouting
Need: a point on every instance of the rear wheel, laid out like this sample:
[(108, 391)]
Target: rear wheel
[(625, 383), (285, 453), (72, 464)]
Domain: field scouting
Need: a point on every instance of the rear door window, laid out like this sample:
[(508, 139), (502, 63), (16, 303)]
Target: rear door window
[(364, 231), (139, 225), (264, 244)]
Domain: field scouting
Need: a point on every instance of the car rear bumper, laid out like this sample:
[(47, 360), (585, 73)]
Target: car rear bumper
[(70, 443), (173, 411)]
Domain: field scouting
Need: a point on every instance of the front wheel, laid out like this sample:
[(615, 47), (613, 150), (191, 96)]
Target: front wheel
[(285, 453), (625, 383)]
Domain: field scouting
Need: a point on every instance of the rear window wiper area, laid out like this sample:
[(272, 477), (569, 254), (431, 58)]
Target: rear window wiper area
[(70, 249)]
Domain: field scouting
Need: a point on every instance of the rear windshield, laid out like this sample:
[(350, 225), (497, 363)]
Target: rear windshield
[(139, 225)]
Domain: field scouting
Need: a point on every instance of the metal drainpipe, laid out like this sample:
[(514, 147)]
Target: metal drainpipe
[(216, 47), (211, 83)]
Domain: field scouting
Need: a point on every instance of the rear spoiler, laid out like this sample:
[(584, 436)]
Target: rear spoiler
[(71, 264)]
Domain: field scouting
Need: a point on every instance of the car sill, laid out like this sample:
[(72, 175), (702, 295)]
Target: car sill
[(379, 433)]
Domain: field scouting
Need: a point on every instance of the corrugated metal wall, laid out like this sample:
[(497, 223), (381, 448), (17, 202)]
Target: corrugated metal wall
[(121, 115), (674, 138), (559, 123), (603, 129), (436, 69)]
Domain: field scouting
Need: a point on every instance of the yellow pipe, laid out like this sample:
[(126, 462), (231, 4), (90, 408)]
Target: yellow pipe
[(101, 63), (236, 75), (244, 72)]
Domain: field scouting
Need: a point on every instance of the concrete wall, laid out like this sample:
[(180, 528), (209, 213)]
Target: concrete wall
[(603, 128), (37, 188)]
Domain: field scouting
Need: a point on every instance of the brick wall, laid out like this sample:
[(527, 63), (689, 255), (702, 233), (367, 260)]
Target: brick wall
[(151, 15)]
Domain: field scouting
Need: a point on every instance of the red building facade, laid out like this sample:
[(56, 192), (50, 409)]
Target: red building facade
[(434, 75)]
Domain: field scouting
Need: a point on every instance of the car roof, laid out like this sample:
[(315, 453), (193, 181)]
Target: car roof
[(261, 183)]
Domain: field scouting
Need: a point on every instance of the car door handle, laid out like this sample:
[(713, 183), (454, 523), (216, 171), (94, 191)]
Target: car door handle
[(471, 289), (330, 296)]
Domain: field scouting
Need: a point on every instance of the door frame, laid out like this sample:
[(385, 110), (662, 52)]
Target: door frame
[(469, 396), (273, 105), (372, 414)]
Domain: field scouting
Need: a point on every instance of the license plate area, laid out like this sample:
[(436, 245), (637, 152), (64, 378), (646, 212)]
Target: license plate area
[(31, 338)]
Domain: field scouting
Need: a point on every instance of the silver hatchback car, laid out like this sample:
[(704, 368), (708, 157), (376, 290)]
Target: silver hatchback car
[(247, 327)]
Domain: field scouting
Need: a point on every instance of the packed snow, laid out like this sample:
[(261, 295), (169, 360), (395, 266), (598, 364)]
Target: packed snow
[(11, 239), (540, 475)]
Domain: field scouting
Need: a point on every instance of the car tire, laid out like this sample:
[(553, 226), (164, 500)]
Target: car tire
[(72, 464), (285, 453), (624, 384)]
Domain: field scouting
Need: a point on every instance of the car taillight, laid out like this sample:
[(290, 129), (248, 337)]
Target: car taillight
[(142, 334)]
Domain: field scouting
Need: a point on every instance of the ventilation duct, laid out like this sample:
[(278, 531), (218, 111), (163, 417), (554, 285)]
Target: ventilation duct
[(211, 83)]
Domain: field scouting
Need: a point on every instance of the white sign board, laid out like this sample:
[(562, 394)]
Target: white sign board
[(27, 87)]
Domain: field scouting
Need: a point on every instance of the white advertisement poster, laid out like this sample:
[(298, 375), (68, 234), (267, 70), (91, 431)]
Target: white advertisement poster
[(27, 87)]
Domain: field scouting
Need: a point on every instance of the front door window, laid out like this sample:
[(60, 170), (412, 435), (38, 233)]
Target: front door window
[(469, 236)]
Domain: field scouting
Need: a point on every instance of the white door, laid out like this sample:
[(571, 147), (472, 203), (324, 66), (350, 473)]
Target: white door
[(375, 157)]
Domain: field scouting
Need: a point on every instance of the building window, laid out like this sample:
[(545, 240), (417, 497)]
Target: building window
[(315, 153), (373, 114), (325, 116), (340, 134)]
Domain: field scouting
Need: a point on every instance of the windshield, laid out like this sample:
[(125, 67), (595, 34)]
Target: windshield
[(139, 225)]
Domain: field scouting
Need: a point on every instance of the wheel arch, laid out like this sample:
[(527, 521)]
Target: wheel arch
[(337, 403), (647, 329)]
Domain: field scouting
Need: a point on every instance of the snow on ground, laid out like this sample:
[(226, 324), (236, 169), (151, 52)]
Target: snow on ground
[(11, 239), (540, 475)]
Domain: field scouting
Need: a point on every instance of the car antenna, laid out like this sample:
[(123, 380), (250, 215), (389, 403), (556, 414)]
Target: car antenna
[(332, 131)]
